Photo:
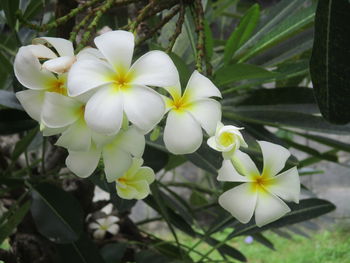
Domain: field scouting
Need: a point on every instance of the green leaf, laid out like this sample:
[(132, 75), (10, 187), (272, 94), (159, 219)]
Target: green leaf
[(237, 72), (305, 210), (6, 65), (82, 250), (183, 69), (289, 27), (8, 99), (10, 7), (13, 121), (147, 256), (33, 8), (113, 252), (23, 144), (56, 213), (242, 32), (329, 65), (263, 240), (13, 220), (155, 158)]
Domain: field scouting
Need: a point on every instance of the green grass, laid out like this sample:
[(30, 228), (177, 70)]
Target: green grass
[(327, 246)]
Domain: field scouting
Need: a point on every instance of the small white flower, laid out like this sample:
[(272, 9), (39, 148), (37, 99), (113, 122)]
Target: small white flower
[(117, 155), (227, 139), (121, 87), (259, 192), (189, 113), (134, 184), (104, 225)]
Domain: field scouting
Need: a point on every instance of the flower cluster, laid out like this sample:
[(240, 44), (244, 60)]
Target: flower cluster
[(102, 105)]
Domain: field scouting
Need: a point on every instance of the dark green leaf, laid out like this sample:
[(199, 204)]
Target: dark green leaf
[(182, 67), (113, 252), (23, 144), (82, 250), (209, 42), (13, 121), (242, 32), (154, 158), (263, 240), (56, 213), (147, 256), (237, 72), (305, 210), (33, 8), (13, 220), (6, 65), (329, 65), (10, 7)]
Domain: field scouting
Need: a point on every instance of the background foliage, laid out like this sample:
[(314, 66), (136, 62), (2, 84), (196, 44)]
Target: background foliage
[(258, 55)]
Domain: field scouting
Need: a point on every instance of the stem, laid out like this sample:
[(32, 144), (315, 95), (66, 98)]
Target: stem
[(58, 21), (165, 20), (178, 28), (78, 27)]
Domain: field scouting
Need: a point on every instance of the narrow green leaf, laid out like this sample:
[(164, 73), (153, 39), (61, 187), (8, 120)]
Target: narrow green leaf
[(10, 7), (237, 72), (209, 42), (329, 65), (6, 65), (263, 240), (23, 144), (289, 27), (113, 252), (12, 222), (183, 69), (33, 8), (242, 32), (56, 213)]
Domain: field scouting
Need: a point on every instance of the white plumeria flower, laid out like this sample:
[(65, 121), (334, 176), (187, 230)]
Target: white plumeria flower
[(121, 87), (134, 184), (104, 225), (227, 139), (117, 155), (259, 192), (189, 113)]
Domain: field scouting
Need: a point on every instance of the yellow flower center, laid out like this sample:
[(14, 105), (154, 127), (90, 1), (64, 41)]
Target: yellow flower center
[(261, 183), (180, 103), (226, 139), (58, 86), (122, 79)]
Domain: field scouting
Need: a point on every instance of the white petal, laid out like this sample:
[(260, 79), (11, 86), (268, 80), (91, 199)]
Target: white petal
[(113, 229), (77, 137), (200, 87), (269, 208), (207, 113), (32, 102), (111, 220), (99, 234), (59, 65), (154, 68), (89, 53), (87, 74), (101, 140), (132, 141), (104, 111), (117, 47), (275, 157), (174, 91), (94, 225), (40, 51), (83, 164), (59, 110), (52, 131), (116, 162), (240, 202), (244, 164), (63, 46), (143, 106), (182, 134), (28, 70), (146, 174), (286, 185), (212, 143), (228, 173)]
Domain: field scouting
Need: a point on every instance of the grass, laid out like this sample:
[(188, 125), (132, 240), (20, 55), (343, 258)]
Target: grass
[(327, 246)]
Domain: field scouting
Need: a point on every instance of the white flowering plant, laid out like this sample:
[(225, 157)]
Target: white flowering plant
[(170, 116)]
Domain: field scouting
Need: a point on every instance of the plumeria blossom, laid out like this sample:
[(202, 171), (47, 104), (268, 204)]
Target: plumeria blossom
[(189, 113), (259, 193), (134, 184), (104, 225), (117, 155), (121, 87), (227, 139)]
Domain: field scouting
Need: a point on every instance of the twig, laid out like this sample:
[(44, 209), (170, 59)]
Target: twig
[(80, 25), (58, 21), (178, 28), (165, 20)]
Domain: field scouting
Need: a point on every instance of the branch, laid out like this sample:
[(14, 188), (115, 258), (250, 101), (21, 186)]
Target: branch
[(178, 28)]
